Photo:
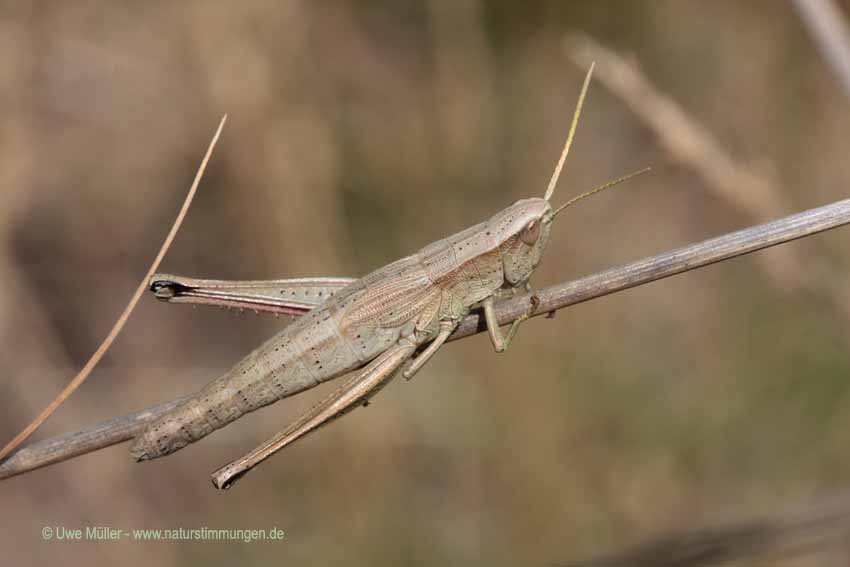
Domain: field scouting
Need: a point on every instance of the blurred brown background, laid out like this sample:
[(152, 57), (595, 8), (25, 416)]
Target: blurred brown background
[(359, 132)]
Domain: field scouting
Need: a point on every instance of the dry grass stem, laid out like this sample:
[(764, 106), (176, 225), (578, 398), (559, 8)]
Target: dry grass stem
[(828, 27), (547, 300), (78, 380), (813, 529), (754, 193)]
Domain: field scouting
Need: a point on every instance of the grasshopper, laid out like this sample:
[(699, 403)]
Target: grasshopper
[(390, 321)]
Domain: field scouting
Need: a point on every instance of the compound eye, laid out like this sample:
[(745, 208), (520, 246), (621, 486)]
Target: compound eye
[(530, 233)]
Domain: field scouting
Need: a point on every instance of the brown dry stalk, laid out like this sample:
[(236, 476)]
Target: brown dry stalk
[(751, 191), (816, 528), (77, 381), (548, 299), (829, 30)]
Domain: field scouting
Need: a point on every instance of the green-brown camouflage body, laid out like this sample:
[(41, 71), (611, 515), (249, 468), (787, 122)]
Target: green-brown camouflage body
[(407, 298)]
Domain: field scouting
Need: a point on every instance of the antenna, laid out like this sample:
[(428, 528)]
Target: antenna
[(573, 126), (608, 185)]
